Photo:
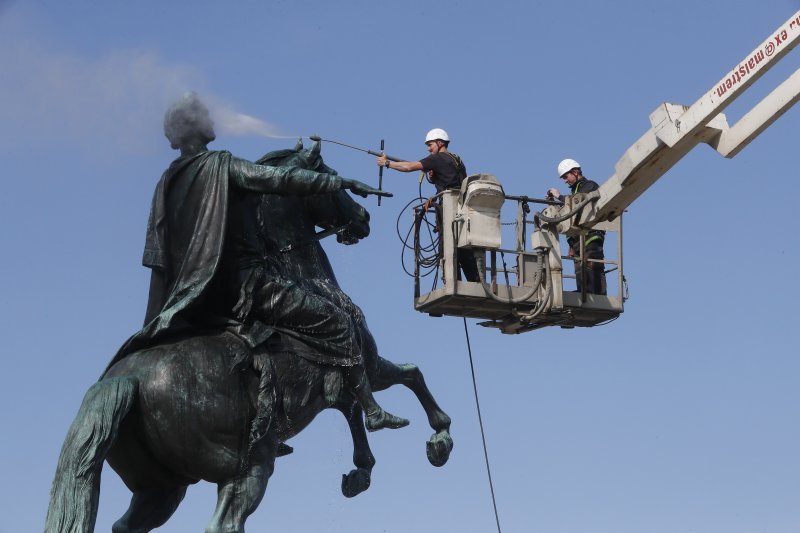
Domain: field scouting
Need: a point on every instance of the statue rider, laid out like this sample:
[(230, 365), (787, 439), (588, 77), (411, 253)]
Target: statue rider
[(203, 276)]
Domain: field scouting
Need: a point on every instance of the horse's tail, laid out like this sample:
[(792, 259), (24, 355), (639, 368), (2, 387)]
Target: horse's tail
[(76, 487)]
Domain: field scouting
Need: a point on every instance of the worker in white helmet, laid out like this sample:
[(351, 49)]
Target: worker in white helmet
[(445, 170), (592, 273)]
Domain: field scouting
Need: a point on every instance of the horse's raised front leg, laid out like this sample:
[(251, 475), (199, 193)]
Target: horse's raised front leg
[(383, 374), (358, 480), (149, 510), (239, 497)]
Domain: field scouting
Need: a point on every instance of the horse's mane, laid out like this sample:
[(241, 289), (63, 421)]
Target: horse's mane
[(305, 158), (277, 158)]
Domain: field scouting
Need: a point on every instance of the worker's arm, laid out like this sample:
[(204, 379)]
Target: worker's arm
[(402, 166)]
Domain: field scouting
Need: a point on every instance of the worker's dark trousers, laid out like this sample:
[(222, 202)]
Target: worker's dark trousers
[(468, 265), (594, 273)]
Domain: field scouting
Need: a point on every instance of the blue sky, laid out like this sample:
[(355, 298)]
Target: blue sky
[(681, 416)]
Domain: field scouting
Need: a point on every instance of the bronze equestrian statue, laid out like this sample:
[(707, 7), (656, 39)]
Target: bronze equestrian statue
[(217, 379)]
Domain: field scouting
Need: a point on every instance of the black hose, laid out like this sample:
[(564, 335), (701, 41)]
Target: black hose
[(590, 198)]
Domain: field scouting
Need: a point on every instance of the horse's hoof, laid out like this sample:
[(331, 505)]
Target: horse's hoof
[(383, 420), (356, 482), (439, 447)]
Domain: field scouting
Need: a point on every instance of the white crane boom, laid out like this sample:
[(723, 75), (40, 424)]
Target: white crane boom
[(677, 129)]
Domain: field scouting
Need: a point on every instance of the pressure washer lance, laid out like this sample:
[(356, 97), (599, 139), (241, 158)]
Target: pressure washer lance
[(317, 138), (380, 177)]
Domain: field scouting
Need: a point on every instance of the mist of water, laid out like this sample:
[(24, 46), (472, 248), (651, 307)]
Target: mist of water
[(115, 102), (230, 122)]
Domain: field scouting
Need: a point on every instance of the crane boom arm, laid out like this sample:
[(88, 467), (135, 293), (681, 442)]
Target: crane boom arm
[(676, 129)]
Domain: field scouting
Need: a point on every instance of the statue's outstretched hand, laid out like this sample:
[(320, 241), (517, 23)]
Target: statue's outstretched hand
[(362, 189)]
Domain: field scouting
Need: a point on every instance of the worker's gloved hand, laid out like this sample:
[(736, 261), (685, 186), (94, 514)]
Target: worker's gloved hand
[(553, 194), (362, 189)]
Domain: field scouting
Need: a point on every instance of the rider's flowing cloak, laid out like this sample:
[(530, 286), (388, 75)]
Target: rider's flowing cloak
[(185, 297), (192, 188)]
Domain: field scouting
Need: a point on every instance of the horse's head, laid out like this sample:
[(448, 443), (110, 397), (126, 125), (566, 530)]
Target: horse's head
[(298, 157), (329, 210)]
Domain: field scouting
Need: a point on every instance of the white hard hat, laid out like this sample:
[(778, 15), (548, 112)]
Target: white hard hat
[(567, 165), (437, 134)]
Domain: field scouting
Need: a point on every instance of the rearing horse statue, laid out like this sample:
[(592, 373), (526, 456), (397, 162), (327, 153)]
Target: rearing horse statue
[(171, 415)]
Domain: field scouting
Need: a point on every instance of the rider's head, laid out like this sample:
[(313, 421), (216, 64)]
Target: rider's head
[(188, 123)]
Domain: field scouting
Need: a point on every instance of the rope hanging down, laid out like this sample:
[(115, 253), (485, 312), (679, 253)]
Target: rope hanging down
[(480, 422)]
